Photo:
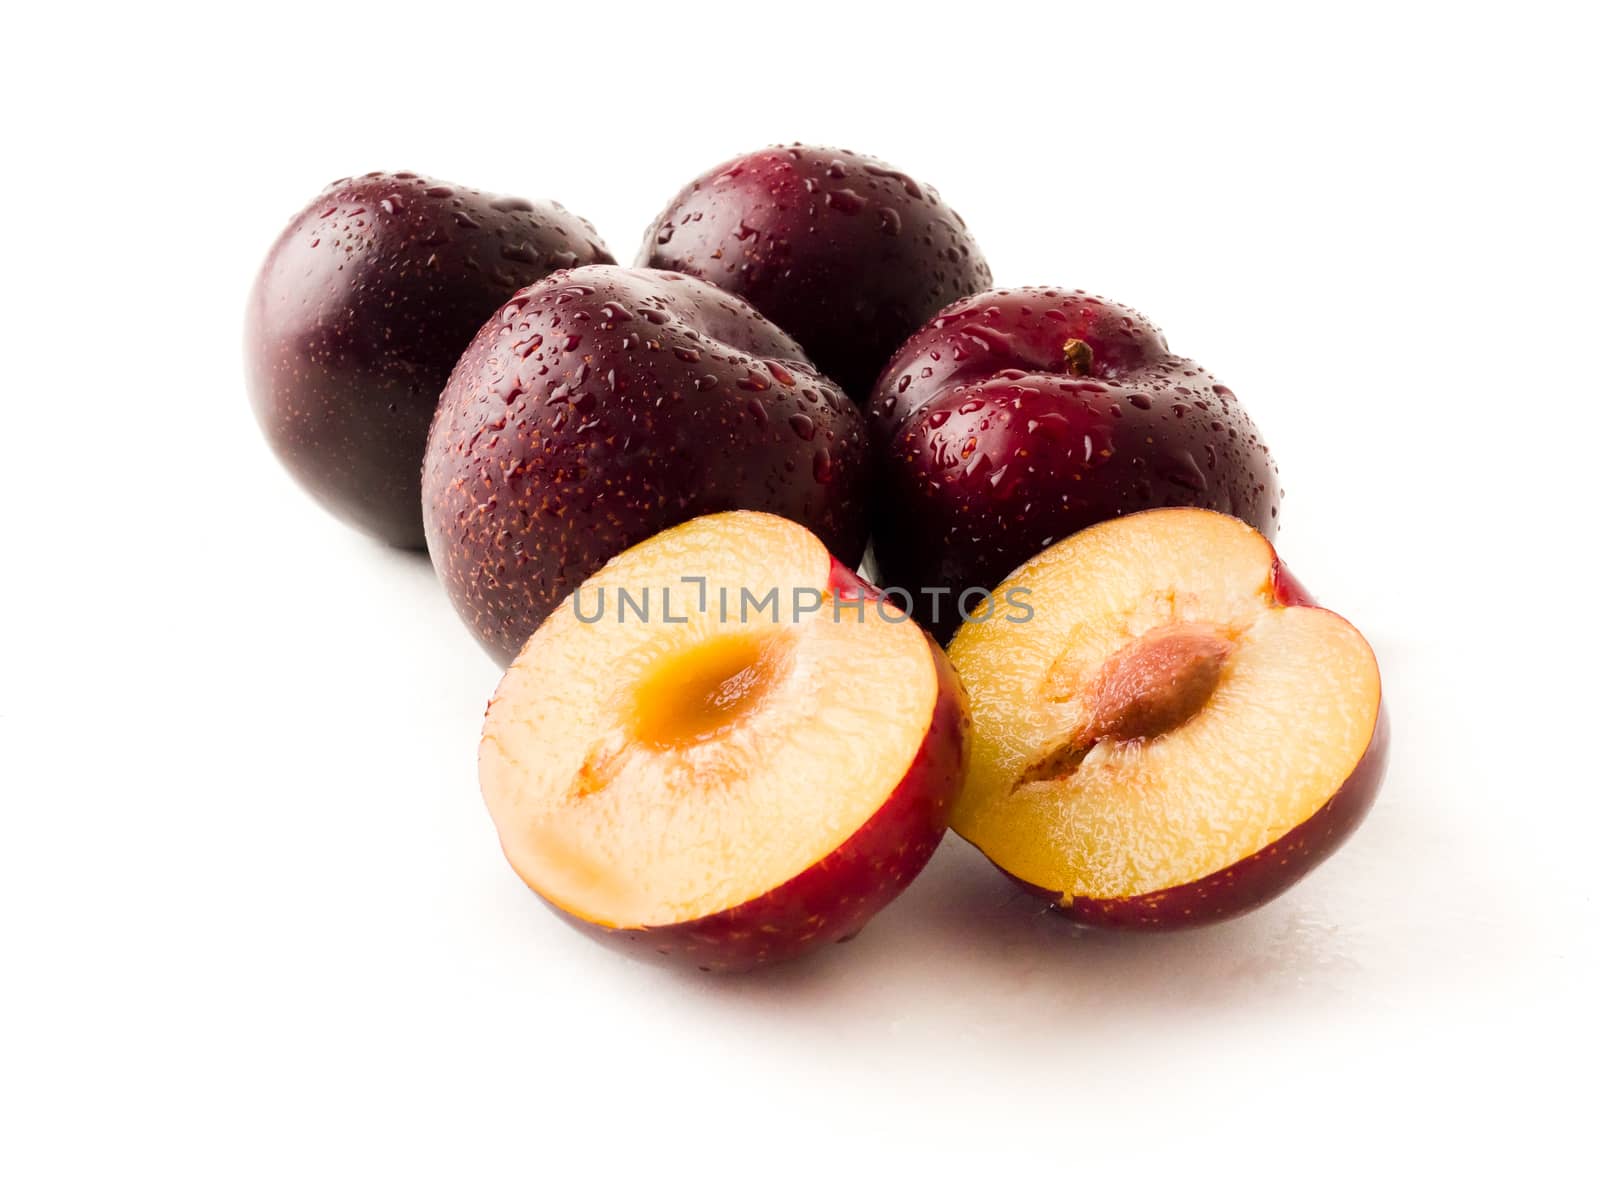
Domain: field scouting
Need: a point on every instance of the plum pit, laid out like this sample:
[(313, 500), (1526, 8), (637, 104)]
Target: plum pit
[(1154, 684), (1158, 682)]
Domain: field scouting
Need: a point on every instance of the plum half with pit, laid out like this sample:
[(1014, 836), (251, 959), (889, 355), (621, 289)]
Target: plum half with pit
[(1178, 735)]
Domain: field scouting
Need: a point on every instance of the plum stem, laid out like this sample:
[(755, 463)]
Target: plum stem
[(1079, 355)]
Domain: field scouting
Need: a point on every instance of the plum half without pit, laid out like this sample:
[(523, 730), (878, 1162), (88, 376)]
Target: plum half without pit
[(1016, 418), (745, 773), (605, 404), (359, 313), (1177, 735)]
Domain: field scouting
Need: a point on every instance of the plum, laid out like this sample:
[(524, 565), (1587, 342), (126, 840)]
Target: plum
[(358, 315), (731, 793), (605, 404), (845, 253), (1016, 418), (1181, 737)]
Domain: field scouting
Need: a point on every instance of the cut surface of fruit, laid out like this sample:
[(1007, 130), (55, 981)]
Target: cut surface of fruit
[(1164, 716), (651, 772), (703, 691)]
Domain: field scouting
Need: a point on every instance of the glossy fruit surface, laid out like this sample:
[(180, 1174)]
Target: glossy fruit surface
[(844, 252), (358, 315), (731, 787), (1177, 735), (606, 404), (1016, 418)]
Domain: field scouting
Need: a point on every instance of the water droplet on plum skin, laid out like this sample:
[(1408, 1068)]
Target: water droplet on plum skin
[(845, 200)]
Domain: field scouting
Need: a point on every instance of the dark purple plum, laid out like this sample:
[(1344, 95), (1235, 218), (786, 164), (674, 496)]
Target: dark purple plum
[(358, 315), (606, 404), (1017, 418), (843, 252)]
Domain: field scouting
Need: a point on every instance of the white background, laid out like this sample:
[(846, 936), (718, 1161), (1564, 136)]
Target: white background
[(256, 934)]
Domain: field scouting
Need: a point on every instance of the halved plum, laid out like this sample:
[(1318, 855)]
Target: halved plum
[(1177, 735), (703, 755)]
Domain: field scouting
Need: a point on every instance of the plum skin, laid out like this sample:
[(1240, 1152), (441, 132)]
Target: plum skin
[(834, 898), (841, 250), (1019, 417), (358, 315), (606, 404)]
